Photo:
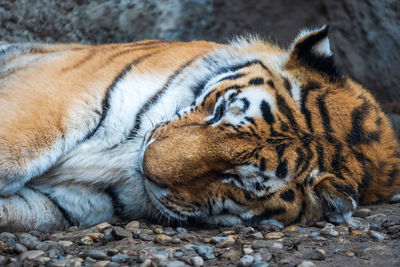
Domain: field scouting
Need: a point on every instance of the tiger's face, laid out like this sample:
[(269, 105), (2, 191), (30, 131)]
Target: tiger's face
[(244, 150)]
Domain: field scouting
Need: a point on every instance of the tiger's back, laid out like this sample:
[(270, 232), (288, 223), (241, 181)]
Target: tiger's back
[(220, 133)]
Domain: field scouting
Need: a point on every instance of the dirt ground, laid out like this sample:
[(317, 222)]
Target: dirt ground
[(140, 243)]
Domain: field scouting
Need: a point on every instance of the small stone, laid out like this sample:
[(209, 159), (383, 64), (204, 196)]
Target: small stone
[(377, 236), (20, 248), (320, 224), (290, 228), (376, 221), (329, 231), (180, 230), (306, 264), (206, 252), (146, 263), (3, 260), (41, 260), (262, 255), (145, 237), (358, 224), (345, 252), (175, 263), (260, 264), (262, 244), (274, 235), (228, 242), (313, 234), (342, 229), (197, 261), (3, 245), (228, 233), (257, 235), (112, 251), (86, 240), (7, 237), (162, 239), (395, 199), (65, 243), (120, 258), (120, 232), (31, 254), (96, 236), (158, 230), (102, 226), (248, 251), (270, 225), (357, 233), (108, 236), (246, 260), (217, 239), (97, 254), (362, 213), (59, 263), (175, 240), (132, 225), (54, 253), (186, 236), (318, 254), (101, 263)]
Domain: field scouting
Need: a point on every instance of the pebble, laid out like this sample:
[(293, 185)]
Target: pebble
[(358, 224), (329, 230), (120, 232), (114, 264), (132, 225), (270, 225), (97, 254), (318, 254), (262, 255), (306, 264), (86, 240), (119, 258), (395, 199), (101, 263), (376, 221), (206, 252), (197, 261), (248, 251), (54, 253), (246, 260), (320, 224), (41, 260), (228, 242), (7, 237), (260, 264), (217, 239), (186, 236), (162, 239), (377, 236), (174, 263), (59, 263), (257, 235), (65, 243), (112, 251), (31, 254), (265, 244), (180, 230), (274, 235), (158, 230), (20, 248), (145, 237), (175, 240), (362, 213), (102, 226), (345, 252)]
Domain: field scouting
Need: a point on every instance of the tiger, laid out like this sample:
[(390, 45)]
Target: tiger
[(187, 132)]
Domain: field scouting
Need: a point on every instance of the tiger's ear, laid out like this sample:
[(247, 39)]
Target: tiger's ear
[(311, 49)]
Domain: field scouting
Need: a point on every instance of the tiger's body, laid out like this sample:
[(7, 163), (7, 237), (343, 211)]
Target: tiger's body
[(219, 133)]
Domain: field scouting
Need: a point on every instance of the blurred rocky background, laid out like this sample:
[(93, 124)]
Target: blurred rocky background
[(365, 34)]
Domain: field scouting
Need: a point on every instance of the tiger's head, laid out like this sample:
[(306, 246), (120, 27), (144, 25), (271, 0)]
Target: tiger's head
[(245, 148)]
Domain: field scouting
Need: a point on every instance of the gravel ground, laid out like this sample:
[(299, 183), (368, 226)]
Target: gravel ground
[(140, 243)]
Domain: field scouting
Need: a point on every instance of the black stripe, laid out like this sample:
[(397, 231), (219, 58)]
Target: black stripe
[(110, 89), (232, 77), (326, 121), (300, 214), (271, 84), (266, 112), (392, 175), (287, 86), (256, 81), (300, 158), (262, 164), (116, 203), (285, 109), (320, 158), (287, 195), (157, 96), (357, 134), (281, 170), (305, 90), (346, 189)]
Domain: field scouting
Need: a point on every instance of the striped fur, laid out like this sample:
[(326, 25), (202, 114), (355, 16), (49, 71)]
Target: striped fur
[(220, 134)]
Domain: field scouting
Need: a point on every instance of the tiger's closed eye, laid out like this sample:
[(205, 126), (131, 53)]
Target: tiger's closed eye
[(219, 112)]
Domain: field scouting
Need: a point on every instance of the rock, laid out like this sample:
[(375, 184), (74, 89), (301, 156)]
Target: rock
[(96, 236), (395, 199), (119, 258), (73, 235), (248, 251), (146, 263), (376, 221), (306, 264), (345, 252), (65, 243), (328, 230), (228, 242), (342, 229), (59, 263), (362, 213), (162, 239), (206, 252), (158, 230), (86, 240), (263, 254), (197, 261), (377, 236), (246, 260), (97, 254), (257, 235), (41, 260), (186, 236), (175, 263), (54, 253), (20, 248), (274, 235), (89, 261), (31, 254), (318, 254), (112, 251), (217, 239), (180, 230), (175, 240), (270, 225), (320, 224), (7, 237), (28, 240), (120, 232), (145, 237), (101, 264), (102, 226), (358, 224), (260, 264), (265, 244)]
